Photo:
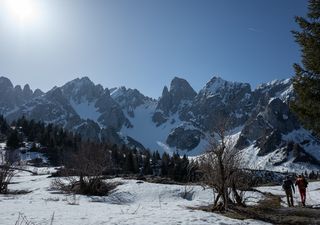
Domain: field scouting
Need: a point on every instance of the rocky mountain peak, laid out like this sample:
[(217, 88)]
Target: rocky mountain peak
[(181, 87), (217, 85), (282, 89), (78, 83), (5, 83), (129, 99), (11, 96), (38, 92), (27, 92), (82, 88), (18, 89), (165, 91), (180, 90)]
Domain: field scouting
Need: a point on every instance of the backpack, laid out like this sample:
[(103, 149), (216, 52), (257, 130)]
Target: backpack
[(286, 184), (305, 183)]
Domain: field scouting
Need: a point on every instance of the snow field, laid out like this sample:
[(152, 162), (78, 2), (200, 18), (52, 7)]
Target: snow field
[(312, 199), (131, 203)]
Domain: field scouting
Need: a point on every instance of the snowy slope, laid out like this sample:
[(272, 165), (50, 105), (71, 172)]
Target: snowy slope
[(145, 131), (253, 161), (86, 110), (132, 203), (304, 137)]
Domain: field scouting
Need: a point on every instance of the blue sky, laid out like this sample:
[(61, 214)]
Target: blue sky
[(143, 44)]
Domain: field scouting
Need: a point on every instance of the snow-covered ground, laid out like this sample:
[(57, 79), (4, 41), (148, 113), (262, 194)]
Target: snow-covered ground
[(131, 203), (312, 198)]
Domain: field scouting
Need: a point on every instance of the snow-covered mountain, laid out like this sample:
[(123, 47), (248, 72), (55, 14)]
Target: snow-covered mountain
[(259, 120), (11, 98)]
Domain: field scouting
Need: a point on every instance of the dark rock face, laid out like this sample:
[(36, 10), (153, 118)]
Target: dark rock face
[(280, 117), (129, 99), (158, 118), (110, 135), (302, 156), (180, 90), (220, 100), (37, 93), (111, 113), (184, 139), (165, 101), (268, 126), (13, 97), (133, 144), (80, 89), (27, 92), (280, 89), (89, 129), (269, 143)]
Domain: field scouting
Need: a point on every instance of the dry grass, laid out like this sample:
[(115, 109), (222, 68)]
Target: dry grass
[(270, 210)]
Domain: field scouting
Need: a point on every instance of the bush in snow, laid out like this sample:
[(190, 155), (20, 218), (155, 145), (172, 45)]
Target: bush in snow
[(84, 172), (6, 174)]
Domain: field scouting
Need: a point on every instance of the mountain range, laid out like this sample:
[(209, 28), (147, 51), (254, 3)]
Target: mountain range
[(258, 121)]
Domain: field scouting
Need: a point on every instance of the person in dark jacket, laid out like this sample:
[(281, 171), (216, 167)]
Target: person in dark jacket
[(302, 184), (288, 187)]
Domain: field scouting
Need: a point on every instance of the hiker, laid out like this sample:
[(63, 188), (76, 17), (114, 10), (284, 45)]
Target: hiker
[(302, 184), (288, 187)]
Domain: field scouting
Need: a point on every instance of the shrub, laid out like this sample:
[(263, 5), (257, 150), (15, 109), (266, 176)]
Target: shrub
[(6, 174)]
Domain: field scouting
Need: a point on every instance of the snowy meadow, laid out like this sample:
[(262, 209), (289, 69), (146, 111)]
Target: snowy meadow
[(133, 202)]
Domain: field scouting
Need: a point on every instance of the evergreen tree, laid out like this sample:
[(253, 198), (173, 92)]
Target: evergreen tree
[(165, 164), (306, 81), (14, 141), (147, 165), (131, 165)]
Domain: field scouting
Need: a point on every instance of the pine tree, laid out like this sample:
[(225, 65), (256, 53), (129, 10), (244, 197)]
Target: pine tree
[(165, 163), (306, 81), (147, 166), (14, 141)]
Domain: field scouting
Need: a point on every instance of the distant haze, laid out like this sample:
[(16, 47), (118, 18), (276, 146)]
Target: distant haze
[(143, 44)]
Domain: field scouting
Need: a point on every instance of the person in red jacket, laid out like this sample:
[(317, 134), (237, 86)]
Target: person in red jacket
[(302, 184)]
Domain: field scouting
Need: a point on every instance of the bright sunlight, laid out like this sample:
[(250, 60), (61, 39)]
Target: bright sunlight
[(23, 11)]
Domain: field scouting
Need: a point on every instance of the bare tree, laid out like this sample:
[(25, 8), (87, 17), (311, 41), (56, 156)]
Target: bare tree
[(83, 173), (6, 174), (221, 167)]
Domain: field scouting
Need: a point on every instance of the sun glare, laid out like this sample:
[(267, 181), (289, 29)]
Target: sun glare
[(24, 11)]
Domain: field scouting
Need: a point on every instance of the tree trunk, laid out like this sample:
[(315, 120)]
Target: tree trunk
[(237, 196)]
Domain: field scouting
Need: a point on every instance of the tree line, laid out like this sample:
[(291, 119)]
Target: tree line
[(62, 147)]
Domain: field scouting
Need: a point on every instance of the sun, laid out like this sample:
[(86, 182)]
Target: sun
[(24, 11)]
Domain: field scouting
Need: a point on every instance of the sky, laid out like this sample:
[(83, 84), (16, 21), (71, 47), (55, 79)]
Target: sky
[(144, 44)]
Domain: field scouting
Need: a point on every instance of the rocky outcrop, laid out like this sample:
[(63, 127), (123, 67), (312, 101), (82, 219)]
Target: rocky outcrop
[(82, 89), (222, 100), (129, 99), (11, 98), (268, 126), (184, 138), (180, 90)]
